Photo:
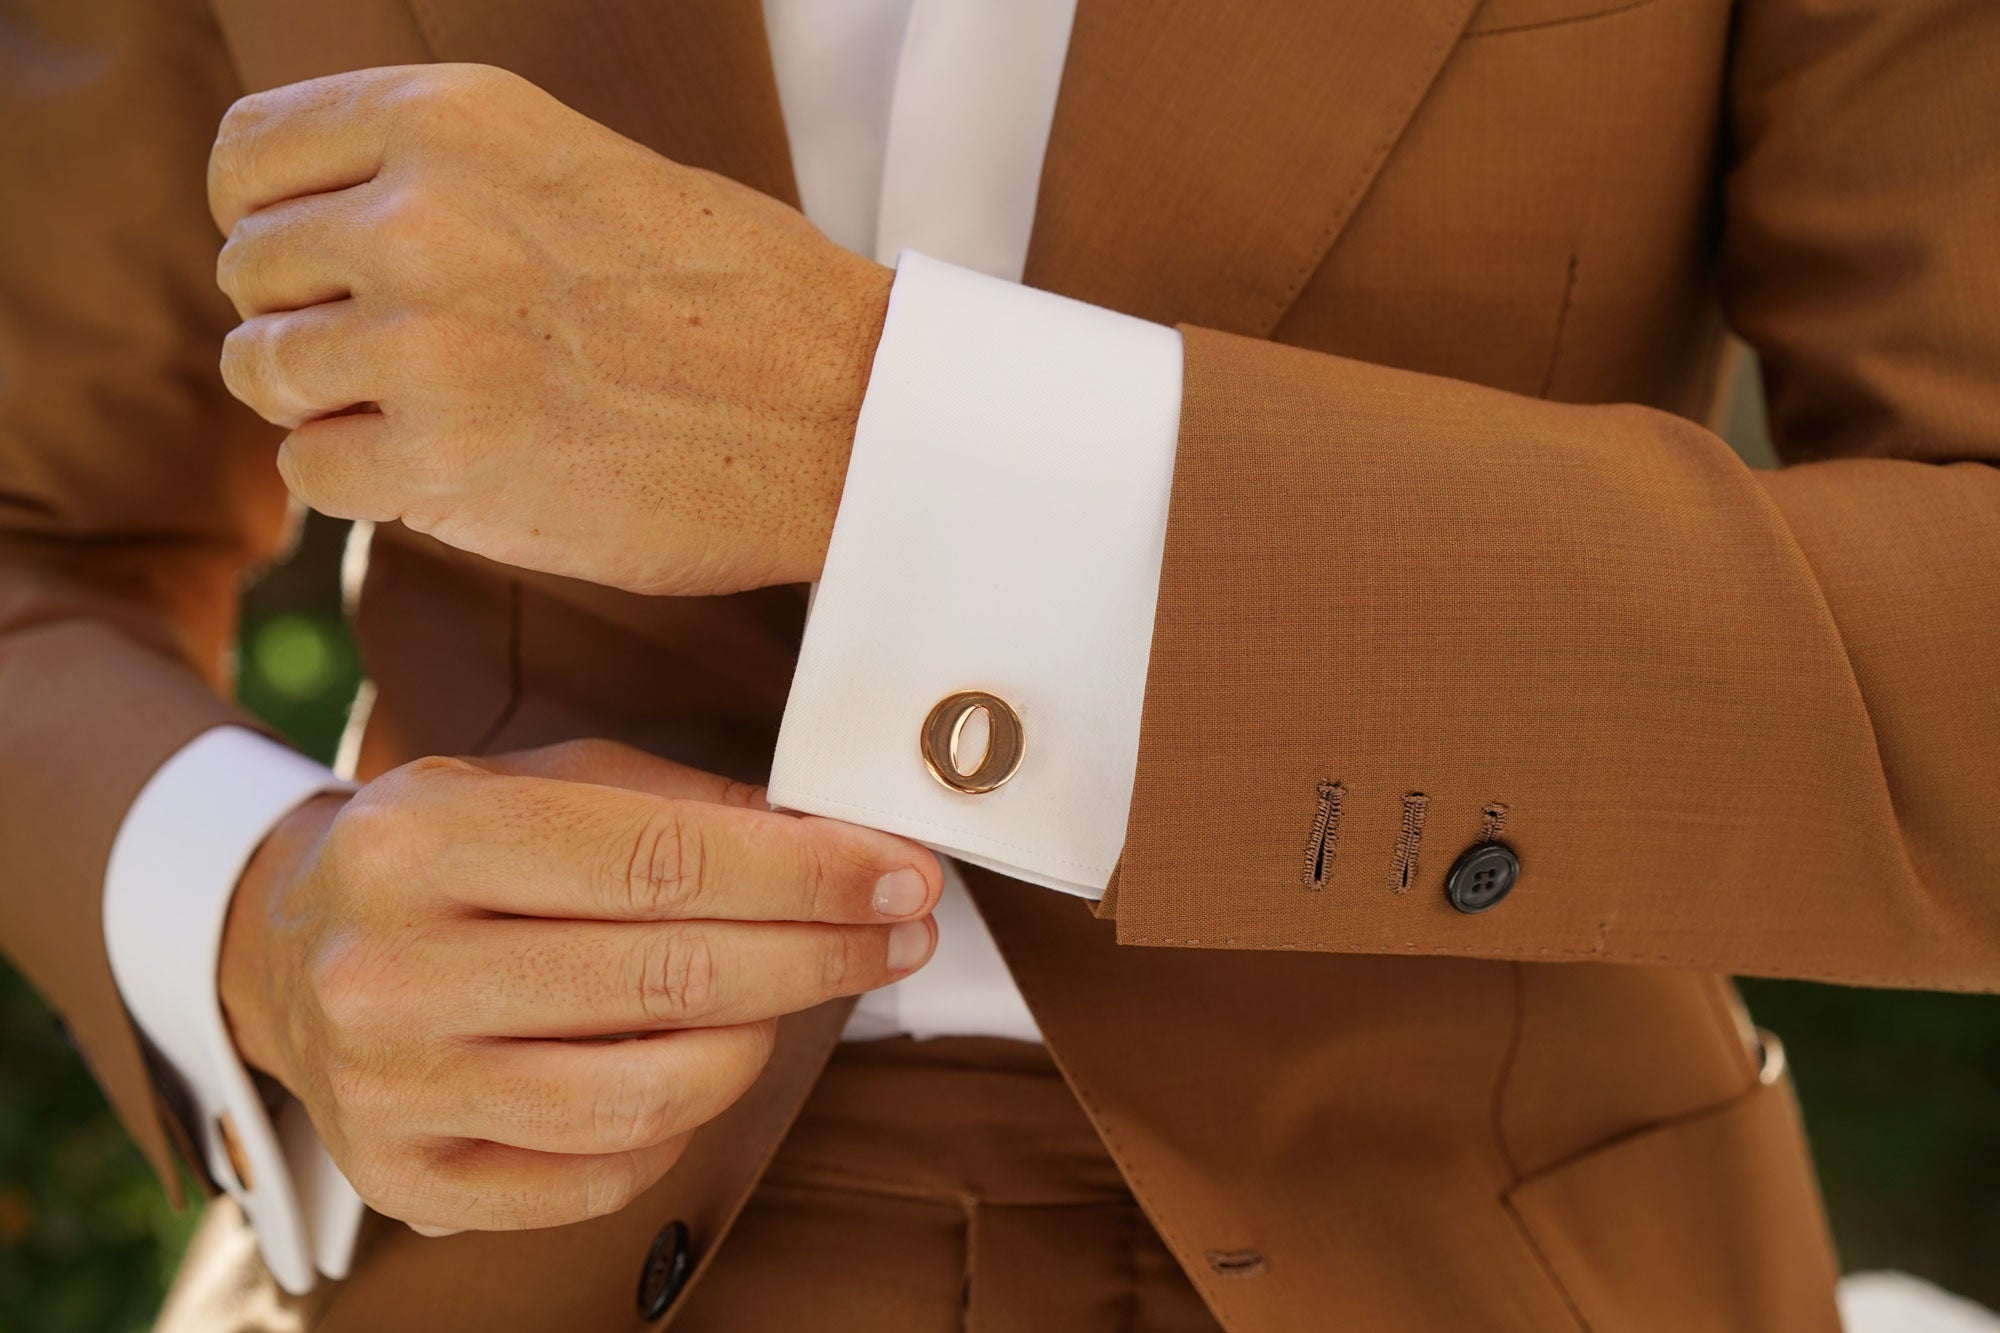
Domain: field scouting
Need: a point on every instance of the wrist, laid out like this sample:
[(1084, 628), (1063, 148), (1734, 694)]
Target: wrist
[(250, 971), (864, 306)]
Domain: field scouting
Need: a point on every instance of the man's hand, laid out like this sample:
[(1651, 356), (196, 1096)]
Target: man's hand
[(490, 317), (508, 990)]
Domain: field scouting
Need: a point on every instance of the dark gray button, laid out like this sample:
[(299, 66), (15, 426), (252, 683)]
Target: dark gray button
[(1482, 876), (666, 1270)]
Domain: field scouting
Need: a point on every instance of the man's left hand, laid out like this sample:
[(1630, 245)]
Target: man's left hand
[(494, 319)]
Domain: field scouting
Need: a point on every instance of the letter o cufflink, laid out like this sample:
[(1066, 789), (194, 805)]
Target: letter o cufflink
[(944, 729)]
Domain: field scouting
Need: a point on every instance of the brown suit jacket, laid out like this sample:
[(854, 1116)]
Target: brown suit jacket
[(1457, 279)]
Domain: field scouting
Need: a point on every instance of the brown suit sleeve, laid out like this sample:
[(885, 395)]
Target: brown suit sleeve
[(134, 494), (1743, 721)]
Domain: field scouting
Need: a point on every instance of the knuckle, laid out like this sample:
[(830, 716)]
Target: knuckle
[(817, 886), (360, 1096), (232, 137), (665, 869), (610, 1182), (443, 99), (416, 241), (572, 754), (369, 838), (848, 960), (237, 118), (678, 982), (470, 83), (407, 217), (286, 352), (423, 1184), (586, 753), (384, 1181), (407, 817), (367, 818), (743, 795), (435, 768), (296, 471), (357, 996), (764, 1041), (409, 799), (443, 85), (581, 759), (241, 356), (246, 113), (233, 261), (628, 1113)]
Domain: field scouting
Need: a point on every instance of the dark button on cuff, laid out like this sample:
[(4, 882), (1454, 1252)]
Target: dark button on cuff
[(666, 1270), (1482, 876)]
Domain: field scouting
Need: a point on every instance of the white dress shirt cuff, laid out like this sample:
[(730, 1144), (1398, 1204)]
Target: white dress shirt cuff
[(1001, 530), (173, 869)]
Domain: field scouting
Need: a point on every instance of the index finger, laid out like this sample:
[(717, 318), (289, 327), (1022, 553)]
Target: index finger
[(303, 138), (583, 852)]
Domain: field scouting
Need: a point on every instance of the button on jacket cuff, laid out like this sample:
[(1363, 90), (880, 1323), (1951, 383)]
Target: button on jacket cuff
[(173, 869), (1000, 532)]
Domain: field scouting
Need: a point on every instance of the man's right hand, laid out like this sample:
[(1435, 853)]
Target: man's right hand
[(508, 990)]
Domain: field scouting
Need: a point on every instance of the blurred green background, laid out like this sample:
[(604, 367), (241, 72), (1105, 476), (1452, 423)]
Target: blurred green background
[(1901, 1090)]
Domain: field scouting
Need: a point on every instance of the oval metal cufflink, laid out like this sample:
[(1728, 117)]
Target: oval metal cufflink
[(943, 736)]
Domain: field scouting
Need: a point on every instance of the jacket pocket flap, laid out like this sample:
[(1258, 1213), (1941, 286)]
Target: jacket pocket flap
[(1709, 1221)]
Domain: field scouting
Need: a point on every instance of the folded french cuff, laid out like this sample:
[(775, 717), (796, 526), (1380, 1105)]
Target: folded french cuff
[(173, 869), (1000, 534)]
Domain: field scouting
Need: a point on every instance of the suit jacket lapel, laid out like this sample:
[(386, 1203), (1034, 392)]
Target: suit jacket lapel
[(1205, 156), (691, 79)]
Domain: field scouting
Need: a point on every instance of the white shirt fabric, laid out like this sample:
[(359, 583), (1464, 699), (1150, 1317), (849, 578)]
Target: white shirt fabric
[(173, 867), (1001, 529)]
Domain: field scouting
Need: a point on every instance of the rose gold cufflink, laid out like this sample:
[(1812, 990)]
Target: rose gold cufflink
[(944, 732)]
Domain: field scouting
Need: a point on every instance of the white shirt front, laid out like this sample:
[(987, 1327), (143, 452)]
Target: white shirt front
[(1040, 426)]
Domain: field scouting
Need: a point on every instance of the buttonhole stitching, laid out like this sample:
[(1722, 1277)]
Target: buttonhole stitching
[(1325, 839), (1493, 819), (1236, 1263), (1403, 868)]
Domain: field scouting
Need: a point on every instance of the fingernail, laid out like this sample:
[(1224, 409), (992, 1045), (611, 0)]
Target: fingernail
[(901, 893), (908, 943)]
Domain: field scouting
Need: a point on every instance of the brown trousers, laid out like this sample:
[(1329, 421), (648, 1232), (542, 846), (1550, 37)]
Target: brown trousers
[(943, 1185), (938, 1185)]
